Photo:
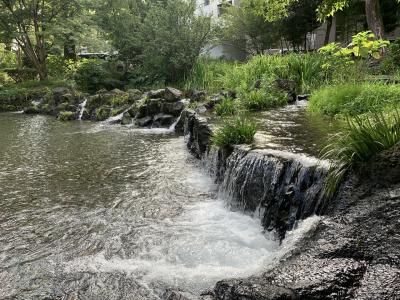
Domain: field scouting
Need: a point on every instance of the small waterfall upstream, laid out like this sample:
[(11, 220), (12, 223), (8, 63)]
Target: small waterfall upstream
[(82, 109), (278, 187)]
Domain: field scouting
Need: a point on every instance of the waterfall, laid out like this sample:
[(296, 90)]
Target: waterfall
[(278, 187), (82, 109)]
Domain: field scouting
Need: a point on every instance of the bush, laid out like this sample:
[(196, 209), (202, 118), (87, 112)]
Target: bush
[(237, 131), (93, 75), (353, 99), (66, 116), (226, 107), (363, 138)]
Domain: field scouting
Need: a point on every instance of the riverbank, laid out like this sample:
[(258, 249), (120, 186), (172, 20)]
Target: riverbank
[(353, 252)]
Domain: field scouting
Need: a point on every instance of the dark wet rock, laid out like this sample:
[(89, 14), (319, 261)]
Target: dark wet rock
[(134, 95), (304, 97), (144, 122), (201, 109), (172, 108), (163, 120), (32, 110), (197, 132)]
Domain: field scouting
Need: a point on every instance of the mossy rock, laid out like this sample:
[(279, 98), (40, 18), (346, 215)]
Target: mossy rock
[(103, 113), (66, 116), (32, 110)]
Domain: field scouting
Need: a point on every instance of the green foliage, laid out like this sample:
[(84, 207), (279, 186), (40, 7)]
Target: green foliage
[(364, 45), (354, 99), (66, 116), (93, 75), (261, 99), (363, 138), (391, 62), (162, 38), (60, 68), (207, 74), (226, 107), (103, 113), (8, 59), (234, 132)]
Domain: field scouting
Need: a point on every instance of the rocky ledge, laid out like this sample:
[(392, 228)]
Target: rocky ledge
[(353, 252), (158, 108)]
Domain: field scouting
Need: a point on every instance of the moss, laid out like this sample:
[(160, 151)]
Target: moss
[(103, 113), (66, 116)]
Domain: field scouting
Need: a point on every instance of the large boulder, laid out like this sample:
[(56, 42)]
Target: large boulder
[(172, 94)]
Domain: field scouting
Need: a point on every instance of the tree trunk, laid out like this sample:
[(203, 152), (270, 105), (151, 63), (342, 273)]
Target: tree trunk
[(328, 30), (374, 18)]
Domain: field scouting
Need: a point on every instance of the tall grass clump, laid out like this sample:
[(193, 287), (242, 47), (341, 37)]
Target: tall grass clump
[(260, 99), (363, 138), (207, 75), (227, 107), (354, 99), (237, 131)]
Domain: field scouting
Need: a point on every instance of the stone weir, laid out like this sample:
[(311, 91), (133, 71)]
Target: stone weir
[(277, 186)]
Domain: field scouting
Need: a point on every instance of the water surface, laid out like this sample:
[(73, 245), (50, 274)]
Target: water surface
[(89, 211)]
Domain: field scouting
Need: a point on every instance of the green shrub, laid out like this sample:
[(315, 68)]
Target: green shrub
[(103, 113), (234, 132), (66, 116), (363, 138), (353, 99), (226, 107)]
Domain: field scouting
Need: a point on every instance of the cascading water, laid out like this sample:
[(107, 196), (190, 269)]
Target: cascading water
[(82, 109), (103, 212)]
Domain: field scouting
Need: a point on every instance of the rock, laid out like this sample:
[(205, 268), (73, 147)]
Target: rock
[(126, 119), (66, 116), (303, 97), (171, 294), (116, 92), (201, 109), (214, 100), (144, 122), (172, 94), (197, 96), (163, 120), (103, 113), (288, 86), (68, 97), (153, 107), (172, 108), (134, 95), (132, 110), (156, 94), (32, 110), (197, 131)]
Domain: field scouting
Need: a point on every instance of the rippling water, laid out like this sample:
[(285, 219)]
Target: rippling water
[(89, 211)]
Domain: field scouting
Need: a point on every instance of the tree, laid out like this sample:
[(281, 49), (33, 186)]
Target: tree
[(164, 38), (247, 31), (277, 9), (29, 22)]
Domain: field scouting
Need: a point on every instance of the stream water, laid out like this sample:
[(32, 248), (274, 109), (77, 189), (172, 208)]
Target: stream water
[(91, 211)]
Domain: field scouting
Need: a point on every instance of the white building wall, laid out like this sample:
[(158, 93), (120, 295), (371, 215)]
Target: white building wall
[(211, 8)]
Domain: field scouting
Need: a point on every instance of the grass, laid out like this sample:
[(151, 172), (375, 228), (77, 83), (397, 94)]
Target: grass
[(66, 116), (237, 131), (363, 138), (354, 99), (261, 99), (227, 107)]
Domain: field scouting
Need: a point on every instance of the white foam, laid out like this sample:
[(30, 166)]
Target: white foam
[(205, 244)]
